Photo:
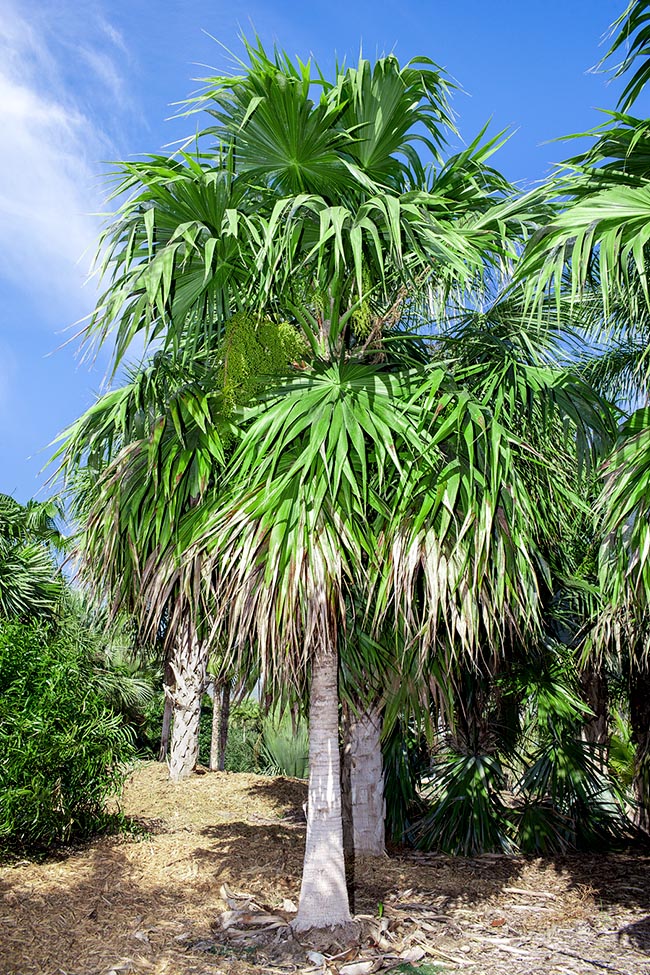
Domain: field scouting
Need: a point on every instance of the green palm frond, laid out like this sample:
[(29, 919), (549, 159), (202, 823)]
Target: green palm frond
[(179, 253), (612, 222), (619, 154), (30, 580), (625, 551), (631, 36), (308, 206)]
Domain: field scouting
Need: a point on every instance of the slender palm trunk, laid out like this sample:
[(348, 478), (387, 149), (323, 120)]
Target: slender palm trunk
[(595, 692), (220, 719), (323, 895), (363, 776), (166, 725), (640, 720), (167, 712), (189, 668)]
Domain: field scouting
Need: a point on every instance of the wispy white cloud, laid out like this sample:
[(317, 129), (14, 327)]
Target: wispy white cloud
[(53, 136), (113, 34)]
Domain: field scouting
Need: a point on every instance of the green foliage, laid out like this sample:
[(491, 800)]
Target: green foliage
[(468, 815), (621, 752), (427, 968), (569, 800), (244, 737), (62, 751), (30, 581), (242, 750), (255, 354), (124, 671), (537, 787), (403, 762), (258, 742), (285, 745), (631, 36)]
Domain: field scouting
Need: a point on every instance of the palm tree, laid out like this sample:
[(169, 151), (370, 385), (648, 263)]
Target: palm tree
[(139, 458), (369, 487), (30, 580), (598, 243)]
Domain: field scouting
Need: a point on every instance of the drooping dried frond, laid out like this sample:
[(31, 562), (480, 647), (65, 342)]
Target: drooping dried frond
[(458, 565)]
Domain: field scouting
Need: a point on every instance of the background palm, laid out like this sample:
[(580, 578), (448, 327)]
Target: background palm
[(598, 244), (30, 580)]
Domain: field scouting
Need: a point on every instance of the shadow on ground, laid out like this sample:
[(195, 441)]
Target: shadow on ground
[(151, 901)]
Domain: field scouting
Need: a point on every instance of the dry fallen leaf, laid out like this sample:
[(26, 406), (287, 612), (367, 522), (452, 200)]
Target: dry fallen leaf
[(413, 954), (498, 922), (358, 968), (316, 957)]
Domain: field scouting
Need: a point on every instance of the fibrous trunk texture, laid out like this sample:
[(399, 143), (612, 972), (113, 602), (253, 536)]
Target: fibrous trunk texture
[(220, 719), (594, 688), (472, 725), (189, 668), (640, 720), (363, 777), (323, 895)]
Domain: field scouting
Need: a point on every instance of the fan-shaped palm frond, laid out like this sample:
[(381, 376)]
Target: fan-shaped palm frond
[(30, 581)]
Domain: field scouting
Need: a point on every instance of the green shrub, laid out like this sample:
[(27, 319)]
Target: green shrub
[(285, 747), (467, 814), (62, 751), (244, 736), (570, 800), (405, 758)]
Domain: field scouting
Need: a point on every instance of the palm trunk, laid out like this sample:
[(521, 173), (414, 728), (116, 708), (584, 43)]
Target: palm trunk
[(220, 719), (594, 688), (166, 725), (167, 713), (640, 720), (365, 779), (189, 668), (323, 895)]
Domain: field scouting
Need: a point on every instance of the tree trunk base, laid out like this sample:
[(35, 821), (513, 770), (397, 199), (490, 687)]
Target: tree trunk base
[(323, 894)]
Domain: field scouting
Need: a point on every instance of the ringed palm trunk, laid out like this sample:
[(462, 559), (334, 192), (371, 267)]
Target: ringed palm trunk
[(323, 894), (364, 777), (189, 667)]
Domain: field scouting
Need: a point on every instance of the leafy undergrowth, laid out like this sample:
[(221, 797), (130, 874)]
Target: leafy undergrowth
[(151, 903)]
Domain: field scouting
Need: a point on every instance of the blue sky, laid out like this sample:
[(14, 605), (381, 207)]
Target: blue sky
[(92, 81)]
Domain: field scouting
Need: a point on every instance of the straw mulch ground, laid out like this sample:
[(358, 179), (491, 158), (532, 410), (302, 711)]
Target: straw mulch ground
[(154, 903)]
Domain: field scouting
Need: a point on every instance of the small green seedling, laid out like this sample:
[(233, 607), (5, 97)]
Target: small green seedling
[(428, 968)]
